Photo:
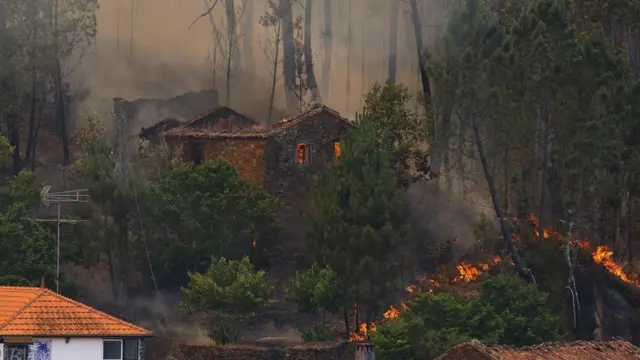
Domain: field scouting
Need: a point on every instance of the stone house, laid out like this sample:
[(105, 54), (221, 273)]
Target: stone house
[(153, 133), (283, 159), (583, 350)]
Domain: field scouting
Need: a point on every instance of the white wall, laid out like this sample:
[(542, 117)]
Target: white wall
[(76, 349)]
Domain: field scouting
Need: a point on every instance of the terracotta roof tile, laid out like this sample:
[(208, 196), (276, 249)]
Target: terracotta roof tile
[(578, 350), (29, 311), (255, 131)]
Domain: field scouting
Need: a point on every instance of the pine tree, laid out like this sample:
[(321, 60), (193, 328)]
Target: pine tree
[(357, 223)]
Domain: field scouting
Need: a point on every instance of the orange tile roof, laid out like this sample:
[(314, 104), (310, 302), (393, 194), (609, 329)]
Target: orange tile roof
[(577, 350), (32, 311)]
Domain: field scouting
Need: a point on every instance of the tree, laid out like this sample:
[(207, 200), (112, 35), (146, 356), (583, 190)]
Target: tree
[(288, 52), (508, 311), (196, 212), (270, 19), (357, 223), (386, 105), (27, 251), (232, 290), (315, 291), (311, 82), (116, 197)]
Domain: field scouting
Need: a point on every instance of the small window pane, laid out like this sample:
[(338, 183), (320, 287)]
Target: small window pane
[(17, 352), (131, 349), (112, 350)]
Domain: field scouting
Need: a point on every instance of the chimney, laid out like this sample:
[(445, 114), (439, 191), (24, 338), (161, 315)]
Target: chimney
[(364, 350), (42, 282)]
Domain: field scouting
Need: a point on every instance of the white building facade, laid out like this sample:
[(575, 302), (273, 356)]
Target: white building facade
[(49, 326)]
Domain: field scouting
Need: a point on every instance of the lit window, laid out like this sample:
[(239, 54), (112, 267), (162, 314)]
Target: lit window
[(337, 150), (303, 154)]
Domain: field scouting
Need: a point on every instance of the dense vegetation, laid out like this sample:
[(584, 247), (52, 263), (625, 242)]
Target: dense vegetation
[(533, 105)]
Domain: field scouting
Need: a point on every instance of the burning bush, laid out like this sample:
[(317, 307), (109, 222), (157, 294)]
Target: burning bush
[(508, 311)]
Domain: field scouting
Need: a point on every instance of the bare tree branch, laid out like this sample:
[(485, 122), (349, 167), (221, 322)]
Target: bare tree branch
[(208, 12)]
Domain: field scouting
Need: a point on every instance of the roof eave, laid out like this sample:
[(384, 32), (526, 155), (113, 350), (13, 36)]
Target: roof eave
[(84, 336)]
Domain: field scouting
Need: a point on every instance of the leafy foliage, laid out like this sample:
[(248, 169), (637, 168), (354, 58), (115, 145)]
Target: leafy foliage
[(27, 250), (315, 290), (358, 224), (386, 106), (508, 311), (201, 211), (232, 290)]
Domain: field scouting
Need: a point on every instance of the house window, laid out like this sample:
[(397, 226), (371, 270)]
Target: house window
[(112, 349), (130, 349), (16, 352), (196, 153), (303, 153), (337, 150)]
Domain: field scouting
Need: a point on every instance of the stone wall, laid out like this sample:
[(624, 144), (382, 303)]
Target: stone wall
[(246, 155), (158, 350), (293, 183)]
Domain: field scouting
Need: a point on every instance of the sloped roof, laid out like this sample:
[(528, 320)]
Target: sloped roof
[(255, 131), (32, 311), (213, 111), (578, 350), (163, 125)]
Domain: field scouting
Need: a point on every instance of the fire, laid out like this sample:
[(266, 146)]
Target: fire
[(283, 120), (253, 243), (466, 272), (604, 257), (392, 313), (363, 332)]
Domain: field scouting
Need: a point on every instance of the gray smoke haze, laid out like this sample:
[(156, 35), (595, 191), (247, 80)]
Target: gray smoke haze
[(168, 58)]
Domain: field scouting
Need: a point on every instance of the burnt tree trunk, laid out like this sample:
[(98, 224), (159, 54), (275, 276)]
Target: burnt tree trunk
[(393, 42), (308, 55), (247, 34), (417, 32), (349, 51), (274, 77), (232, 46), (36, 132), (327, 36), (506, 233), (34, 95), (289, 54)]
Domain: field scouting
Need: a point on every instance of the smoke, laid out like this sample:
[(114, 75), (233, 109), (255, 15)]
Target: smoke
[(161, 314), (437, 215), (150, 52)]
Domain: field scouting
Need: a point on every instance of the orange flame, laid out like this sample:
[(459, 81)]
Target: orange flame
[(467, 272), (604, 257), (283, 120), (363, 332)]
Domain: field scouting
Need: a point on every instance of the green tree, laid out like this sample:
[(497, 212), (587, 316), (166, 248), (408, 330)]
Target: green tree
[(508, 311), (435, 324), (199, 211), (315, 291), (357, 223), (232, 291), (387, 106), (27, 250)]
